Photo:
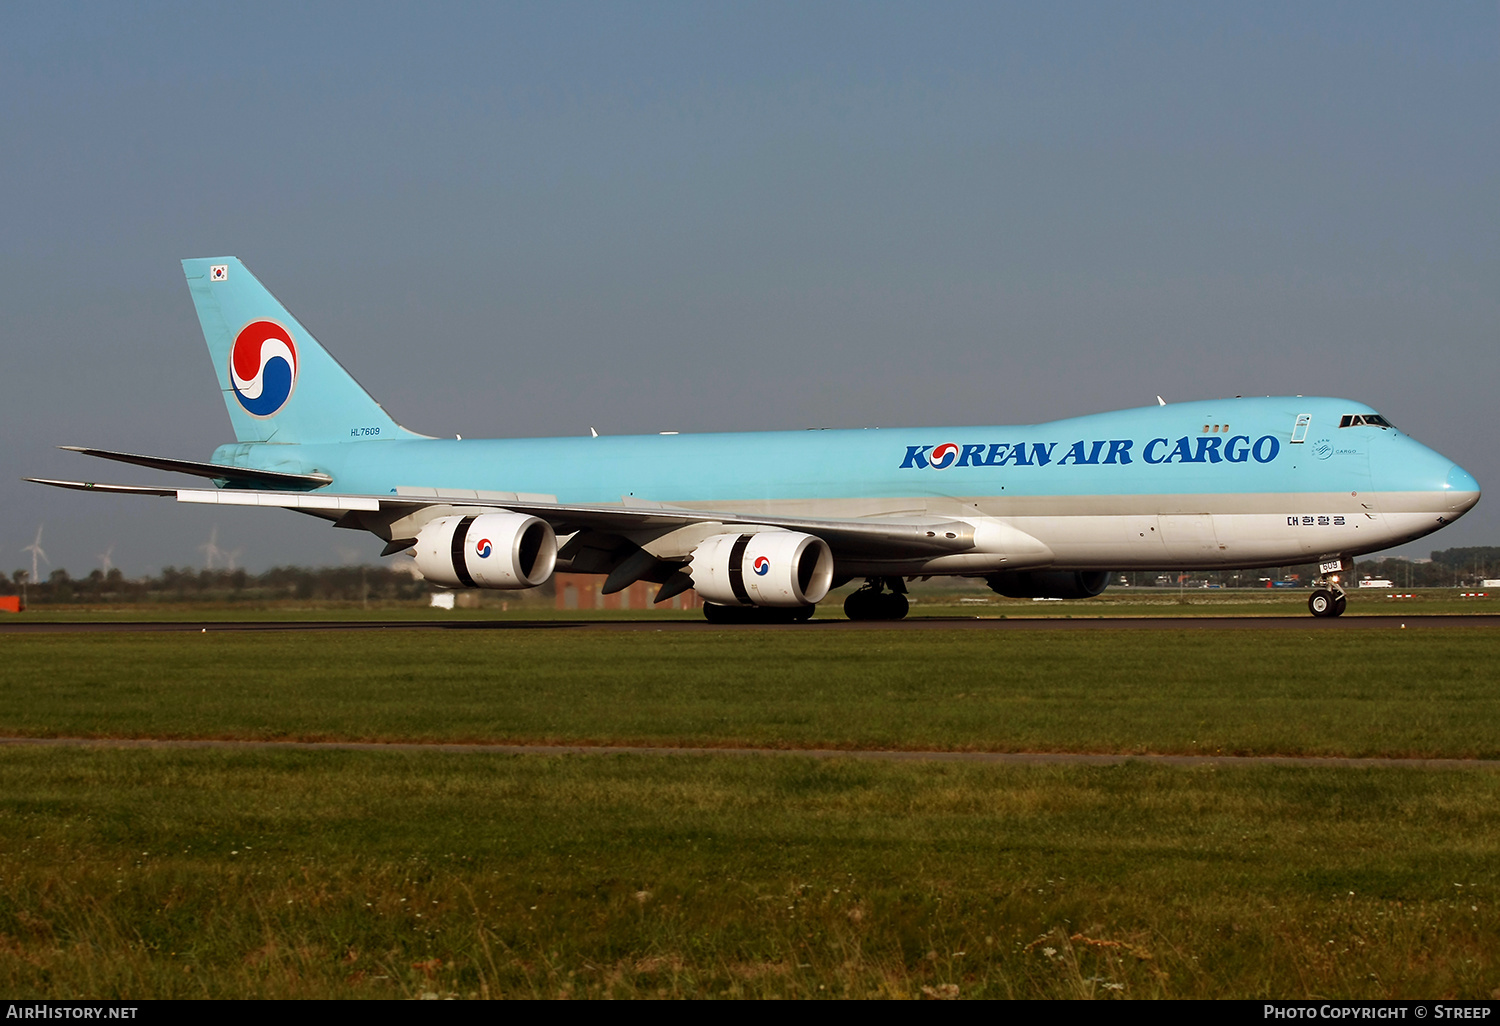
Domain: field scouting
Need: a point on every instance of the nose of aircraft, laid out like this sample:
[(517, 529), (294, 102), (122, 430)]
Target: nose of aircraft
[(1462, 489), (1401, 464)]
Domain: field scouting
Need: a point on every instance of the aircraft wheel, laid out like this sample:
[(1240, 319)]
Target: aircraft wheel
[(1339, 603), (714, 613), (718, 614), (861, 605), (869, 604), (1323, 603), (894, 607)]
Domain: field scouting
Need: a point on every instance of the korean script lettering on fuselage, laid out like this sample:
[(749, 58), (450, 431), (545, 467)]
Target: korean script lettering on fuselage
[(1093, 452)]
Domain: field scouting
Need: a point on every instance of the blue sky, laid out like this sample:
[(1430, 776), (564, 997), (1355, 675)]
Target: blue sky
[(530, 219)]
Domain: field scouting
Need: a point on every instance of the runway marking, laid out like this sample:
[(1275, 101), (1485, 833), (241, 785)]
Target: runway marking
[(980, 758), (1024, 623)]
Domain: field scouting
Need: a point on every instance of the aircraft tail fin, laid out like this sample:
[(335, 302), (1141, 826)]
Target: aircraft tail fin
[(279, 383)]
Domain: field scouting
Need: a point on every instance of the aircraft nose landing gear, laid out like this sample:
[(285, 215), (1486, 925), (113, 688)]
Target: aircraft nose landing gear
[(1328, 598), (873, 602)]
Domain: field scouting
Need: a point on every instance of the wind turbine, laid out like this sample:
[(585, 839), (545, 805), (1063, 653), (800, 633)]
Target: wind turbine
[(211, 550), (35, 548)]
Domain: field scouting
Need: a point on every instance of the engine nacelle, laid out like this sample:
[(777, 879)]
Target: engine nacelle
[(489, 550), (1060, 584), (768, 568)]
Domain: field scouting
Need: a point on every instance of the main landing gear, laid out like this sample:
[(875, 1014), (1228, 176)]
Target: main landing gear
[(873, 602), (1328, 598), (755, 614)]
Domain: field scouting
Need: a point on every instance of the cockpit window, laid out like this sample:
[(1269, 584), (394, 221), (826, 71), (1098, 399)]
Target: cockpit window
[(1358, 419)]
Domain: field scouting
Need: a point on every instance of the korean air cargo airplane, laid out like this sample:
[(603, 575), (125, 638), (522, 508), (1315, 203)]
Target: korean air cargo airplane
[(763, 525)]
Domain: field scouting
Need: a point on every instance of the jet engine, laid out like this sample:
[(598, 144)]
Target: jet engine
[(768, 568), (488, 550), (1060, 584)]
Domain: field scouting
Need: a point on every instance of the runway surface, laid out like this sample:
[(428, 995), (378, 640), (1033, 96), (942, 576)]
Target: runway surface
[(983, 758), (1120, 623)]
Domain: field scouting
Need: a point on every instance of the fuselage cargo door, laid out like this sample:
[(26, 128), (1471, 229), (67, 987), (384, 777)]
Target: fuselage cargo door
[(1189, 538)]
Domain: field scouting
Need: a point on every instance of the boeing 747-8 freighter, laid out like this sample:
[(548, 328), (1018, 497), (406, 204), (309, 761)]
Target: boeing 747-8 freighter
[(763, 525)]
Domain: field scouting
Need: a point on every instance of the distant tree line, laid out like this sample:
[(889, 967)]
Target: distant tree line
[(325, 584), (1447, 568), (1450, 568)]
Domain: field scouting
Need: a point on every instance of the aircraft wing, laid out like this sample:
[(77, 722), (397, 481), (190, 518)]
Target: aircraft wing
[(885, 536), (916, 536)]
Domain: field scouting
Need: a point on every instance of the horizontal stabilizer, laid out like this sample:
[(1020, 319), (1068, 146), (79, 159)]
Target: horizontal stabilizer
[(90, 486), (241, 477)]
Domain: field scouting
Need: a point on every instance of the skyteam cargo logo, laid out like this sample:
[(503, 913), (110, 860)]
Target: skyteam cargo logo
[(263, 367), (762, 566), (483, 548)]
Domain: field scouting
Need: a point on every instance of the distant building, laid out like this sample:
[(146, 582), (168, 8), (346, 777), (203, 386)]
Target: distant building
[(582, 591)]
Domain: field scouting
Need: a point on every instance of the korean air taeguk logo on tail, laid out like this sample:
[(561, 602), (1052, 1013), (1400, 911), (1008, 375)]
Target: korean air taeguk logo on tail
[(263, 367)]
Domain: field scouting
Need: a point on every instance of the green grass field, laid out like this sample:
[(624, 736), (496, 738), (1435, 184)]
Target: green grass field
[(1358, 693), (173, 873)]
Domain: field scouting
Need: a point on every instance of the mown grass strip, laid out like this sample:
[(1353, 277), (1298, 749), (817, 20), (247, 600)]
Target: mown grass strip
[(862, 754), (1401, 694)]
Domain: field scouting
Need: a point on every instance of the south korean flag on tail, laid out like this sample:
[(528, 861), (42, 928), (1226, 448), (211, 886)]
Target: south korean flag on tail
[(218, 272)]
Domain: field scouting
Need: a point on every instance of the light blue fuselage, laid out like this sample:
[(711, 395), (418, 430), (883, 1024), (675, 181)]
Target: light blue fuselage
[(1226, 459)]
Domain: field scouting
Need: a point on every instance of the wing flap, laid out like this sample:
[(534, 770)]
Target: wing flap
[(285, 500)]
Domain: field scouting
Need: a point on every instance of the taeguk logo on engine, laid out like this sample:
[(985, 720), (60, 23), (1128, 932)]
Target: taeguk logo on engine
[(762, 566), (483, 548), (263, 367)]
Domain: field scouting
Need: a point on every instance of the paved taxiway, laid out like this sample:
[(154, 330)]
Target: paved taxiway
[(1127, 623)]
